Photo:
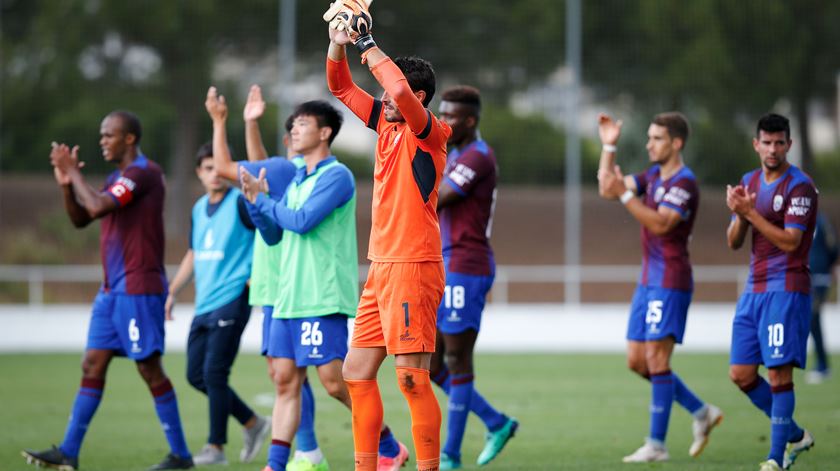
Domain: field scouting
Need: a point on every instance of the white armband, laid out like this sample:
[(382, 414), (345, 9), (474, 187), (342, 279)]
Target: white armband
[(609, 148), (626, 196)]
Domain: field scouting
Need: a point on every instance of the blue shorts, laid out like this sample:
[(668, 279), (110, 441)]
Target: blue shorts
[(657, 313), (310, 341), (463, 302), (266, 329), (771, 329), (130, 324)]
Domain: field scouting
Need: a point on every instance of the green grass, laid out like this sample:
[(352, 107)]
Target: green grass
[(577, 412)]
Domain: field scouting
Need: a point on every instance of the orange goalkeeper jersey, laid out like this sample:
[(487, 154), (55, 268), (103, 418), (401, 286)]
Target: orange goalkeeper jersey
[(410, 158)]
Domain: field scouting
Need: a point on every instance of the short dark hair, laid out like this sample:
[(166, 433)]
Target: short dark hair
[(464, 95), (130, 123), (290, 121), (772, 122), (325, 114), (204, 152), (420, 75), (676, 124)]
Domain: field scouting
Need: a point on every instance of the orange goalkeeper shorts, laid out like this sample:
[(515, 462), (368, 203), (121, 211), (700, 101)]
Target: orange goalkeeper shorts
[(398, 307)]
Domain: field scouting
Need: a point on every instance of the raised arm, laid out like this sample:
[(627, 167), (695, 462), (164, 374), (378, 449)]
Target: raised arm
[(340, 81), (254, 109), (609, 131), (82, 202), (218, 111), (395, 84), (78, 216)]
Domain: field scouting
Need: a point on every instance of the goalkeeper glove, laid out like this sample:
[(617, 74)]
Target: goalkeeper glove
[(341, 13)]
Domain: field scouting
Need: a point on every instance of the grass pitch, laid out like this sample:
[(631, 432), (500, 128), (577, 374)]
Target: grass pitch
[(577, 411)]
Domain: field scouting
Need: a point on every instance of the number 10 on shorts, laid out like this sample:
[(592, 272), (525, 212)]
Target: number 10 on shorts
[(775, 335)]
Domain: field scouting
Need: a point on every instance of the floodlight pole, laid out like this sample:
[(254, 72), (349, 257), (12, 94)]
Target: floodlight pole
[(573, 194), (286, 55)]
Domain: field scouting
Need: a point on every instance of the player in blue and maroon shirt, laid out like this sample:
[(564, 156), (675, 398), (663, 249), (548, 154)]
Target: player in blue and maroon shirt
[(773, 315), (666, 206), (128, 312), (465, 208)]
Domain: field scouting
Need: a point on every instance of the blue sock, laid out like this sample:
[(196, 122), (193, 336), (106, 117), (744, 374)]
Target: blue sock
[(493, 419), (166, 406), (278, 455), (780, 421), (87, 400), (305, 436), (660, 405), (460, 395), (686, 397), (762, 397), (388, 445)]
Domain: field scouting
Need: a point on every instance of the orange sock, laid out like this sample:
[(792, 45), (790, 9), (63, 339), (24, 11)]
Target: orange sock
[(367, 421), (425, 415)]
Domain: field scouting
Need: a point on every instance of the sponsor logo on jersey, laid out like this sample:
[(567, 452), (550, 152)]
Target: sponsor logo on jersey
[(207, 254), (225, 323), (799, 206), (462, 175), (677, 196)]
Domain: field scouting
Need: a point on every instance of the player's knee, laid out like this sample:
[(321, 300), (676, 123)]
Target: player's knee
[(91, 368), (151, 370), (336, 388), (458, 362), (286, 384), (638, 366), (742, 378)]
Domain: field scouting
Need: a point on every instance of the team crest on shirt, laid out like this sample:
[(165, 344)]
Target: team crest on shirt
[(778, 201), (660, 192)]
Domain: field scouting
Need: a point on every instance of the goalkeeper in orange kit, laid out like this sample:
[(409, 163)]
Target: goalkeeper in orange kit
[(398, 307)]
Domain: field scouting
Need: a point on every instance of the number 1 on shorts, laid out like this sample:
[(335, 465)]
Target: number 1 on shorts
[(405, 309)]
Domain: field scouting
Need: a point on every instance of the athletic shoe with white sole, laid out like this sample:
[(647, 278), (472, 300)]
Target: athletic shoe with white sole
[(647, 453), (701, 428), (794, 449), (770, 465), (253, 438), (209, 454), (51, 458)]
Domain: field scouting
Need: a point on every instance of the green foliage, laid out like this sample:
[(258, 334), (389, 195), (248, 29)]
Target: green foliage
[(827, 172), (529, 149), (721, 62), (53, 241)]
